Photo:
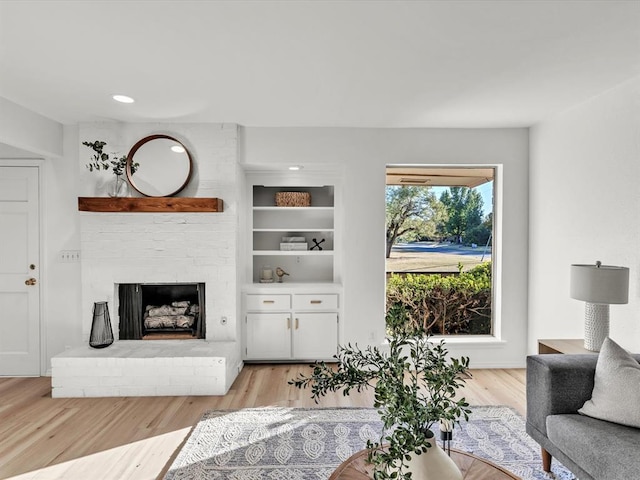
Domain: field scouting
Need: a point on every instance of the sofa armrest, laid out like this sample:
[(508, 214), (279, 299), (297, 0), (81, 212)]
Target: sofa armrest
[(557, 384)]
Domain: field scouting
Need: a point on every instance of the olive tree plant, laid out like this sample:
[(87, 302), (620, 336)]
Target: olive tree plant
[(414, 383)]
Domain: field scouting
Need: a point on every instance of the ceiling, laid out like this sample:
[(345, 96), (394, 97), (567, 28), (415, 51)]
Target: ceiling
[(315, 63)]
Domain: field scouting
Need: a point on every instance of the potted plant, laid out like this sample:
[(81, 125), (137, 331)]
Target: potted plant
[(101, 161), (415, 385)]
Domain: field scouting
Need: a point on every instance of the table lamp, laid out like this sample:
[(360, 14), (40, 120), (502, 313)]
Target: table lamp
[(600, 286)]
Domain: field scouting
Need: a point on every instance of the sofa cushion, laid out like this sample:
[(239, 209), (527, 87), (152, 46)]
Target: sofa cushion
[(616, 387), (602, 449)]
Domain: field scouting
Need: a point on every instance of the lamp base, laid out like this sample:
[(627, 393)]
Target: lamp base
[(596, 325)]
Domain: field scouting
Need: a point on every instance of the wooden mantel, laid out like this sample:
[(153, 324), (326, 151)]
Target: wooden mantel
[(149, 204)]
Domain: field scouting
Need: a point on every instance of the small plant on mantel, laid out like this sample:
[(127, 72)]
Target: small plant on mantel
[(101, 160), (415, 386)]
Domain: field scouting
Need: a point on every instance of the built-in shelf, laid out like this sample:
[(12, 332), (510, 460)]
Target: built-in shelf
[(296, 209), (294, 229), (297, 253), (149, 204), (273, 224)]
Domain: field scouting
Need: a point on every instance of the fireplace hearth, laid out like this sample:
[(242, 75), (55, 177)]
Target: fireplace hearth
[(161, 311)]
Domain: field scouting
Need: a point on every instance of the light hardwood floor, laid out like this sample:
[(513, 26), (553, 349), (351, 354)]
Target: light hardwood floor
[(136, 438)]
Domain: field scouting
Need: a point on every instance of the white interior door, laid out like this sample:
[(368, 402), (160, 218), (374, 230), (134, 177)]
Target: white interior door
[(19, 272)]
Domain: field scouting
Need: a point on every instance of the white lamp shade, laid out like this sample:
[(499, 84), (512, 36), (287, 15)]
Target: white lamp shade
[(603, 284)]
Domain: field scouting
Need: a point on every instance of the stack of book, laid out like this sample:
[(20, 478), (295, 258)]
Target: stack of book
[(290, 244)]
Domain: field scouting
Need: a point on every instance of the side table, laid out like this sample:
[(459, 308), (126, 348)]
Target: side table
[(562, 345)]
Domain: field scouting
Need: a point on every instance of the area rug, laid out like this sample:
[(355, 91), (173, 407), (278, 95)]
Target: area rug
[(277, 443)]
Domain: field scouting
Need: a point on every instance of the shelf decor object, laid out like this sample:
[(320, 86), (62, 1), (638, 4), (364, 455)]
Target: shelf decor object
[(293, 199), (101, 332), (163, 164), (281, 273), (599, 286), (266, 275)]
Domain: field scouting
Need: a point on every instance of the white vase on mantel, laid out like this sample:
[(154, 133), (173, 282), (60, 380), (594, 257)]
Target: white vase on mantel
[(434, 464)]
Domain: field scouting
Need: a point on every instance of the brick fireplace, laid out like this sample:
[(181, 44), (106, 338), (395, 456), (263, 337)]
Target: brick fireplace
[(168, 249), (143, 249)]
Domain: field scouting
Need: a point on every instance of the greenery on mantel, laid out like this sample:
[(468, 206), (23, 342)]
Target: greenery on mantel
[(415, 385), (101, 160)]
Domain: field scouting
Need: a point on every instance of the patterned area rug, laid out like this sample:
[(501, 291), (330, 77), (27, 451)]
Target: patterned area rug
[(278, 443)]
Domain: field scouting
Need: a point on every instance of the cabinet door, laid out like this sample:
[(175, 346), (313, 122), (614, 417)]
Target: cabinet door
[(315, 336), (268, 336)]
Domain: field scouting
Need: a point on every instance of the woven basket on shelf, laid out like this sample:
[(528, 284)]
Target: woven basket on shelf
[(293, 199)]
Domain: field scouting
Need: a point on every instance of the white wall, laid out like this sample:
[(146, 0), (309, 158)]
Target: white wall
[(364, 154), (27, 130), (585, 206), (61, 293)]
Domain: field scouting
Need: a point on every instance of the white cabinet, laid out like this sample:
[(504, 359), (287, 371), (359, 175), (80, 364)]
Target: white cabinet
[(291, 326), (315, 335), (298, 319), (268, 335)]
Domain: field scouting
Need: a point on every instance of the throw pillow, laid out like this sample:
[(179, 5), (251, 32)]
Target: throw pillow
[(616, 389)]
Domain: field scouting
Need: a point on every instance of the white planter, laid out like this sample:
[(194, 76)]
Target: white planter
[(434, 464)]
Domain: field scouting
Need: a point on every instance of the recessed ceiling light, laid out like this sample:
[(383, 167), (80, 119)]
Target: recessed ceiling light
[(295, 167), (123, 99)]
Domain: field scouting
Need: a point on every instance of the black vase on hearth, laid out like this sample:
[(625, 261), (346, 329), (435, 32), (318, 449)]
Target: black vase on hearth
[(101, 332)]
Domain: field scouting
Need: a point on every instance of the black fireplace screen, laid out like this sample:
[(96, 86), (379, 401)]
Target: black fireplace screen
[(145, 309)]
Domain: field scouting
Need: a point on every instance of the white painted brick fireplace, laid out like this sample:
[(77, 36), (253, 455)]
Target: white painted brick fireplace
[(158, 248), (162, 248)]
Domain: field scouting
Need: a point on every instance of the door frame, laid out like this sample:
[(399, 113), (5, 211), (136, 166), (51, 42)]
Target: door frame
[(38, 163)]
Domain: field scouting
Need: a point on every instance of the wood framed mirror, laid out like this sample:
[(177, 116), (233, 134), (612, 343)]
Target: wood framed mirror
[(164, 166)]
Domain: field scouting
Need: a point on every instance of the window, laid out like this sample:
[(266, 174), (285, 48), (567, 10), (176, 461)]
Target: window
[(439, 231)]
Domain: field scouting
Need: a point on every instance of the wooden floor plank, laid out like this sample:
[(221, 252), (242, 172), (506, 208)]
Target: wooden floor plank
[(135, 438)]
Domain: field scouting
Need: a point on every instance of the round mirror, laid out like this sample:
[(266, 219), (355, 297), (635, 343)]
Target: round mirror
[(163, 166)]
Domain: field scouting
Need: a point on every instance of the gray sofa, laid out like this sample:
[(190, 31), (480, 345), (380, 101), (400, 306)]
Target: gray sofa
[(557, 386)]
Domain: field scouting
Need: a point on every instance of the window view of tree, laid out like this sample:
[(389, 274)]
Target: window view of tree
[(415, 214), (464, 220), (412, 213), (438, 250)]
